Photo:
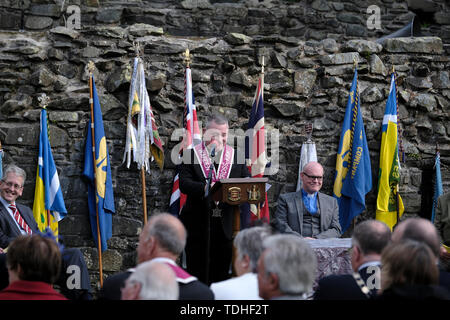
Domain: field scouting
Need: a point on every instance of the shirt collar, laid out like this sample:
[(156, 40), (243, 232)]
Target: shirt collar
[(306, 194), (5, 203), (368, 264)]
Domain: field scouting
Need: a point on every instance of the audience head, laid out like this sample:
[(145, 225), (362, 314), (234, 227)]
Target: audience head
[(287, 266), (33, 258), (163, 236), (369, 239), (420, 230), (11, 184), (248, 244), (151, 281), (408, 262), (312, 177)]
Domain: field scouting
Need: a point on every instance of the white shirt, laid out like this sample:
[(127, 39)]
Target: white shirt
[(244, 287), (6, 205)]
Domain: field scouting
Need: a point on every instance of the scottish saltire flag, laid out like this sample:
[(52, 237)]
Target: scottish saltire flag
[(255, 146), (438, 185), (388, 203), (191, 138), (142, 139), (47, 193), (308, 153), (353, 178), (100, 195)]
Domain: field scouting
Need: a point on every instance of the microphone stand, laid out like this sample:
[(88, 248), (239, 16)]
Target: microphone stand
[(208, 214)]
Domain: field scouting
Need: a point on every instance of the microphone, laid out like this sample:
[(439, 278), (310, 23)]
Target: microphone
[(213, 150)]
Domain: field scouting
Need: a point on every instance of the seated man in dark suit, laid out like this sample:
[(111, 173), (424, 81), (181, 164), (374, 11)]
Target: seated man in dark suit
[(369, 239), (308, 212), (422, 230), (17, 219), (162, 239)]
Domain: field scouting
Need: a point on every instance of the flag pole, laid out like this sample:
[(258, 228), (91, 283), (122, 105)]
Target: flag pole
[(144, 195), (355, 66), (397, 200), (43, 101), (91, 67)]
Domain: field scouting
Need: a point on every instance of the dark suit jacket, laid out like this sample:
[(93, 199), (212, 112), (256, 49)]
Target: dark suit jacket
[(8, 228), (442, 218), (194, 290), (192, 183), (342, 287), (288, 217)]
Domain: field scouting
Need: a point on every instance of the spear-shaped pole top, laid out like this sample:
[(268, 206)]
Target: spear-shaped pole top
[(355, 63), (187, 57), (137, 48), (44, 100), (91, 67)]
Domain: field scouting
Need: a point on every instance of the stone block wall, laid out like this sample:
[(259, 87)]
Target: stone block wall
[(309, 49)]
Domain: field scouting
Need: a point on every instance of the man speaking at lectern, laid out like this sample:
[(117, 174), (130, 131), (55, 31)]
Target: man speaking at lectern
[(194, 173)]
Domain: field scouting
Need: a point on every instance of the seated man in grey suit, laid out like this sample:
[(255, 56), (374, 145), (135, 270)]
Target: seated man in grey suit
[(308, 212)]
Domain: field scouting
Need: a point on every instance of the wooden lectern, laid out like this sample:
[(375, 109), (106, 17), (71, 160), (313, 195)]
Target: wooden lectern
[(236, 191)]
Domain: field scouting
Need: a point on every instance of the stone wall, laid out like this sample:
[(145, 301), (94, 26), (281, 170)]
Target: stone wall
[(309, 49)]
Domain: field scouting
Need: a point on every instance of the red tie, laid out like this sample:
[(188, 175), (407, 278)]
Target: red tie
[(19, 219)]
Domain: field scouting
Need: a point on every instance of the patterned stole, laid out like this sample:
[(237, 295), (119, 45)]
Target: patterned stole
[(225, 163)]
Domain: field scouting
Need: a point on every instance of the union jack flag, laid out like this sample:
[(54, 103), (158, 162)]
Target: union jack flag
[(255, 146), (191, 138)]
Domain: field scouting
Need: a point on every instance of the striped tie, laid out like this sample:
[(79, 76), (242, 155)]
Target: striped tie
[(19, 219)]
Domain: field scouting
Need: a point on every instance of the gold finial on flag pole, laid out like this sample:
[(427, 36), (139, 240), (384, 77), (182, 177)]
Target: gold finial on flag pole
[(355, 63), (187, 57), (137, 48), (91, 67)]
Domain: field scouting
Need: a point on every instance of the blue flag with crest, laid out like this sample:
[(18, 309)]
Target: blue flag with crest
[(353, 179), (100, 194)]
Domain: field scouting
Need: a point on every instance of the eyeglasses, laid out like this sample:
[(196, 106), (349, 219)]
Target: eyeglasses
[(10, 185), (319, 178)]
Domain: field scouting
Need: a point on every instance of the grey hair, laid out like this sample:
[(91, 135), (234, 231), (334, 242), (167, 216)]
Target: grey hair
[(292, 260), (217, 118), (12, 168), (161, 226), (157, 280), (249, 242), (371, 236)]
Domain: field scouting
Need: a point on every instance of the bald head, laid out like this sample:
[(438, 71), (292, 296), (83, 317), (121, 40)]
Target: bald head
[(312, 166), (420, 230), (163, 236), (312, 177)]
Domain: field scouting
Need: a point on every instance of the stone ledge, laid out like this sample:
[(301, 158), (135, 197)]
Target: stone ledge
[(431, 45)]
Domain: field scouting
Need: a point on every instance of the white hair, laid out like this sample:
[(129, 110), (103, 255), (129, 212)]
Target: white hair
[(292, 260), (157, 280)]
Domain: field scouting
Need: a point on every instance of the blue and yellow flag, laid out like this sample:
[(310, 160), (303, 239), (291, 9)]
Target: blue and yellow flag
[(47, 193), (353, 179), (100, 195), (389, 174)]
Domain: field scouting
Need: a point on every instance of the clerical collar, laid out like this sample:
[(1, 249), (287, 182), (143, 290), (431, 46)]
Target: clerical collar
[(310, 201)]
